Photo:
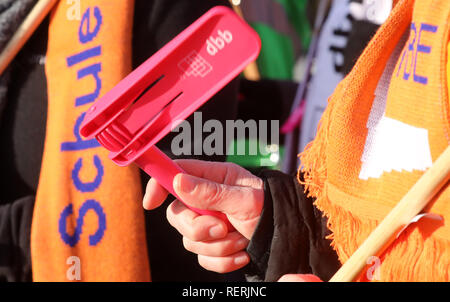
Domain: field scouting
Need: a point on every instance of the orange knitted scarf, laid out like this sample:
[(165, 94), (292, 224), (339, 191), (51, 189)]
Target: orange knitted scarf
[(385, 124), (88, 222)]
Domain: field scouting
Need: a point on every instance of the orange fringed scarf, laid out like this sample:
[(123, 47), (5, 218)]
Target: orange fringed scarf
[(385, 124), (88, 222)]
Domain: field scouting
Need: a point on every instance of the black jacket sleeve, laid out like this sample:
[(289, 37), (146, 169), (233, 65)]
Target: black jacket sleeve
[(15, 221), (290, 237), (23, 108), (22, 129)]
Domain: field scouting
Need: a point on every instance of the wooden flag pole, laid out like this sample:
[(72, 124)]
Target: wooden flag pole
[(24, 32), (409, 206), (251, 72)]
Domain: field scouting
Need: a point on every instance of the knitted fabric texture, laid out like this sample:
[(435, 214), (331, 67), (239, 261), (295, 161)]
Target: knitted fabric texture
[(88, 222), (385, 124)]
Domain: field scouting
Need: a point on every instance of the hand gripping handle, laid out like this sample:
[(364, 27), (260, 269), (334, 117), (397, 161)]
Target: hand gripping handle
[(158, 165)]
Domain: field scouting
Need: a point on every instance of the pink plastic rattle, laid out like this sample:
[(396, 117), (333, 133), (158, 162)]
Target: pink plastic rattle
[(152, 100)]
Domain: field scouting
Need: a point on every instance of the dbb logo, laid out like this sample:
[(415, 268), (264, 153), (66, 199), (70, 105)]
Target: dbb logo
[(214, 44)]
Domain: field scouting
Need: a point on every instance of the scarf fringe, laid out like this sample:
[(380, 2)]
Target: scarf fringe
[(313, 157), (414, 256)]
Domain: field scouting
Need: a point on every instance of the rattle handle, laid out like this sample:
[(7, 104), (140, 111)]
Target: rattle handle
[(158, 165)]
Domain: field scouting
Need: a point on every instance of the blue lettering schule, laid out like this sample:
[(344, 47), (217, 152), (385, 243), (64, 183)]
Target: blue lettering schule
[(85, 35)]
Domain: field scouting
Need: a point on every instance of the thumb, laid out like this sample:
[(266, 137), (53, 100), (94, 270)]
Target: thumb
[(241, 202)]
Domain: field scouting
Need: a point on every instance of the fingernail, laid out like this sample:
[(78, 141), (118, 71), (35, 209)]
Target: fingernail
[(241, 243), (239, 260), (144, 201), (216, 231)]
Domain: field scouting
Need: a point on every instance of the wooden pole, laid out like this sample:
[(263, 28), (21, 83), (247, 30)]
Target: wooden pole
[(24, 32), (409, 206), (251, 72)]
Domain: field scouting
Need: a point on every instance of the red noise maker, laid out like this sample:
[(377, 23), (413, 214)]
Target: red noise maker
[(152, 100)]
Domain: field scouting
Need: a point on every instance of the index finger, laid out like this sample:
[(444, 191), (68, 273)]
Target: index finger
[(154, 196), (221, 172)]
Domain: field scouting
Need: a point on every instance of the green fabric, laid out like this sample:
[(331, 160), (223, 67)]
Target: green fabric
[(272, 160), (276, 59), (297, 14)]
